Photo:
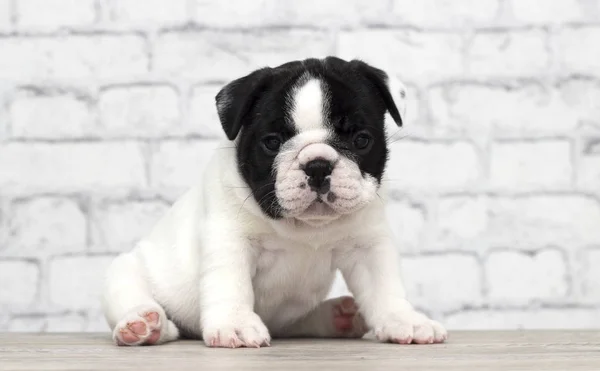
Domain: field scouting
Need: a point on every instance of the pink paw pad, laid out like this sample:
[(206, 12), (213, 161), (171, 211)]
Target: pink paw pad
[(346, 317), (152, 318), (146, 331)]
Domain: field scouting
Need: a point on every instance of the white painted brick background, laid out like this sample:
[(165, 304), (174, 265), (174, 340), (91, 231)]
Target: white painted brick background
[(106, 116)]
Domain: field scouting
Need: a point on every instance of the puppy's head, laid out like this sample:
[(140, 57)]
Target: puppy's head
[(310, 136)]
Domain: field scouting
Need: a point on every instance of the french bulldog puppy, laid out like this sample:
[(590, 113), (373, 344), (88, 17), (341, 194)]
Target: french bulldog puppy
[(292, 197)]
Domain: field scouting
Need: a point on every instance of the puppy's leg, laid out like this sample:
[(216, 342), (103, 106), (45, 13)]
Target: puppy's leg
[(133, 315), (226, 293), (373, 276), (333, 318)]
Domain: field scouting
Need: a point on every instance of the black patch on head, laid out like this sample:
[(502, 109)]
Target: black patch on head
[(358, 100), (258, 104)]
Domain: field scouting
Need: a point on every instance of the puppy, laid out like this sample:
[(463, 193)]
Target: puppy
[(251, 253)]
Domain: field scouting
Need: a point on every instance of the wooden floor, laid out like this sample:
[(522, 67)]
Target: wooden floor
[(565, 350)]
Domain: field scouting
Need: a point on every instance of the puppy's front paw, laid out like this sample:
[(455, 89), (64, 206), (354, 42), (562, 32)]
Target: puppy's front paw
[(144, 325), (236, 330), (410, 327)]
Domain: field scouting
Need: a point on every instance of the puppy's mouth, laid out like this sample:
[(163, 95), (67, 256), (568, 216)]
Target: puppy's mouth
[(318, 212), (318, 207)]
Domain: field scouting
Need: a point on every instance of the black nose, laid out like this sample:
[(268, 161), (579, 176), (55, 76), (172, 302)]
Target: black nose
[(318, 172)]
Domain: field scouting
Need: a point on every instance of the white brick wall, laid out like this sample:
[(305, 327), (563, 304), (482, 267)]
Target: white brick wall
[(107, 115), (50, 115), (145, 111), (5, 14), (533, 277), (54, 14), (68, 58), (536, 165)]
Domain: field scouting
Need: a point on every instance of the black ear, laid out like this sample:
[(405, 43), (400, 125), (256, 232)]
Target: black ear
[(236, 99), (379, 79)]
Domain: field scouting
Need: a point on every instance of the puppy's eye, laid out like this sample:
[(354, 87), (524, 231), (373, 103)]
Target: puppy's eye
[(362, 141), (271, 144)]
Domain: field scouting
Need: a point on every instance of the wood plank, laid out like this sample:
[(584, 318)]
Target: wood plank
[(486, 350)]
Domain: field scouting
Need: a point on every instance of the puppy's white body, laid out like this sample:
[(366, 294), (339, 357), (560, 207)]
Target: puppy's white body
[(292, 265), (217, 267)]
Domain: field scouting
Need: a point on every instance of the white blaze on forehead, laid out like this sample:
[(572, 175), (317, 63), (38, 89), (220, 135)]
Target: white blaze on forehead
[(308, 110)]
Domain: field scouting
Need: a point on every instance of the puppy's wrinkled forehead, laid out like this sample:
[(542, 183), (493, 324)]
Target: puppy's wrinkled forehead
[(307, 94)]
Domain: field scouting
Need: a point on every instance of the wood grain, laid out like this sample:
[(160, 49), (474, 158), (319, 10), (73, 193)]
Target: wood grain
[(489, 350)]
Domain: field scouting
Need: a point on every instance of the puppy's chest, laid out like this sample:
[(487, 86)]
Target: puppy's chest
[(288, 263), (290, 277)]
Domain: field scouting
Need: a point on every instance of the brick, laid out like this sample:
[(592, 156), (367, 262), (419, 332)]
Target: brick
[(516, 53), (149, 12), (96, 322), (178, 165), (4, 214), (69, 167), (27, 324), (444, 13), (21, 293), (203, 118), (271, 13), (140, 111), (53, 323), (517, 278), (588, 172), (591, 275), (580, 97), (75, 282), (531, 165), (531, 110), (46, 226), (425, 289), (413, 56), (4, 127), (55, 14), (65, 323), (109, 219), (478, 223), (234, 54), (248, 13), (72, 57), (407, 222), (544, 12), (461, 220), (578, 49), (425, 166), (539, 221), (5, 15), (348, 13), (288, 13), (55, 116), (558, 318)]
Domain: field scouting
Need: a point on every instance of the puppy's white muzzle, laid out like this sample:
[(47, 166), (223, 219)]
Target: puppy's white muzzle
[(317, 151)]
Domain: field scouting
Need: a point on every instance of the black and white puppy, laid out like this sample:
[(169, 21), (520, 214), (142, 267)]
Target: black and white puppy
[(252, 252)]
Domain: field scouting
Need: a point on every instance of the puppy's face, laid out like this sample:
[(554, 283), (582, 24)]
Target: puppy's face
[(310, 136)]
